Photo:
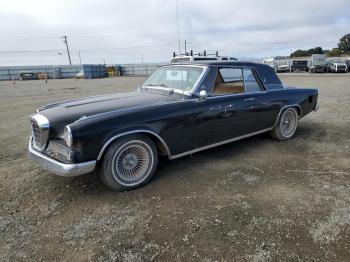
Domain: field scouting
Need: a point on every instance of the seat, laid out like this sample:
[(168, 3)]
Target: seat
[(221, 87)]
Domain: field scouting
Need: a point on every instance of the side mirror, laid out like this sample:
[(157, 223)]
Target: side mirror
[(203, 95)]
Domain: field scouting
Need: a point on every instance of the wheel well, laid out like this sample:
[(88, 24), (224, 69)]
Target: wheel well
[(158, 141), (162, 148), (298, 110)]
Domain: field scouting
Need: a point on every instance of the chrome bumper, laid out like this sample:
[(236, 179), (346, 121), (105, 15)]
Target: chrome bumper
[(57, 167), (317, 106)]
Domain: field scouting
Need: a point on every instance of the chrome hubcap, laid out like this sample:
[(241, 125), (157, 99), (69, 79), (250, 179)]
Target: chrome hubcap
[(132, 163), (288, 123)]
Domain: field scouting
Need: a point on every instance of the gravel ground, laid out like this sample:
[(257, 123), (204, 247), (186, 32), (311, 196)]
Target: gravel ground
[(252, 200)]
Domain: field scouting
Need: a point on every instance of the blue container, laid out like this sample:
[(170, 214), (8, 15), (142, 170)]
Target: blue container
[(94, 71)]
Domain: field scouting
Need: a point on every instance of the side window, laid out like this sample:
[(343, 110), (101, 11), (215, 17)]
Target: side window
[(251, 84), (228, 81)]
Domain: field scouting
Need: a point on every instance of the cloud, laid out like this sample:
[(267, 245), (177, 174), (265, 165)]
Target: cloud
[(124, 31)]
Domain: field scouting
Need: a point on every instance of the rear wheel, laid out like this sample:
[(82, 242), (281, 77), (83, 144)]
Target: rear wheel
[(129, 163), (286, 126)]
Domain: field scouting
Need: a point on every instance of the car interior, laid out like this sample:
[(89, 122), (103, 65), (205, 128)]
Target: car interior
[(229, 87)]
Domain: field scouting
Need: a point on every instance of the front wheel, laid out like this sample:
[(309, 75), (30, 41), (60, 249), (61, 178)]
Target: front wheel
[(286, 125), (129, 163)]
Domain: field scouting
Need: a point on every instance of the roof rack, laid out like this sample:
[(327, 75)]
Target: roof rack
[(198, 54)]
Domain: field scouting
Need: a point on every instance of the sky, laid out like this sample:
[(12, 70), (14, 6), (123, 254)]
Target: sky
[(135, 31)]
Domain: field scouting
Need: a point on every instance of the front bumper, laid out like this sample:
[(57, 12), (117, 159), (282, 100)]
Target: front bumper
[(57, 167), (319, 69), (317, 106)]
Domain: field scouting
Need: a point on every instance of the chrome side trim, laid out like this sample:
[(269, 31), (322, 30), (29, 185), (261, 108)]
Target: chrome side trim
[(57, 167), (236, 138), (129, 133), (219, 143), (194, 150)]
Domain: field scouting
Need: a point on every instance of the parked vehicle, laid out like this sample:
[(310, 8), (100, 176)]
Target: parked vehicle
[(270, 61), (28, 76), (179, 110), (348, 64), (80, 75), (200, 57), (318, 63), (337, 65), (283, 66), (42, 75), (299, 65)]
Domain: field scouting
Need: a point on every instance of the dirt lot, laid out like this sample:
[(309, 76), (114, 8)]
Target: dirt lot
[(253, 200)]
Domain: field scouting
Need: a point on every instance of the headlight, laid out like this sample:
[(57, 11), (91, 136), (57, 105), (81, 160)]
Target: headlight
[(68, 136)]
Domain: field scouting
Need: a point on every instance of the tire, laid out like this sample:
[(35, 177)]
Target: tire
[(129, 162), (286, 125)]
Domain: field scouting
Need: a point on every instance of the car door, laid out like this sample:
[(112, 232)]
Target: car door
[(264, 105), (228, 112)]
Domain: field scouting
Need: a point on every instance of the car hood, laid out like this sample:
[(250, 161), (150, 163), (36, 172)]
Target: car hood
[(339, 63), (64, 113), (285, 65)]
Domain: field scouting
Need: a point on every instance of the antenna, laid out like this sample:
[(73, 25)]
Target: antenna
[(178, 38)]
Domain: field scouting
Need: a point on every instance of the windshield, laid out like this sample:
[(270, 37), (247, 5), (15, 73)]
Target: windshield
[(182, 78), (337, 61), (282, 63), (177, 60), (319, 61)]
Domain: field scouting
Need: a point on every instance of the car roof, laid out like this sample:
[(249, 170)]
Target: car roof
[(266, 73)]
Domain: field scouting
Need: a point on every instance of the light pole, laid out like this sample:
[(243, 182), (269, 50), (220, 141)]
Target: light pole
[(79, 57)]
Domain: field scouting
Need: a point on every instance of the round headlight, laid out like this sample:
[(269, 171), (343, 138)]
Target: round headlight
[(68, 136)]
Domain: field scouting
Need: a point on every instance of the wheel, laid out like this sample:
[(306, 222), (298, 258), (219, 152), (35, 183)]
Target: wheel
[(129, 162), (286, 125)]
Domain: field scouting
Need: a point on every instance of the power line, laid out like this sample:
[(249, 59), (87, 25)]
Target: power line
[(232, 28), (165, 44)]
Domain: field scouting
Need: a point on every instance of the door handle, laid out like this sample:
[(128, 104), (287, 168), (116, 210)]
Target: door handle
[(249, 99), (213, 108)]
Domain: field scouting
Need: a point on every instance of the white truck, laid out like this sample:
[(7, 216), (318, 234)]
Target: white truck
[(191, 57)]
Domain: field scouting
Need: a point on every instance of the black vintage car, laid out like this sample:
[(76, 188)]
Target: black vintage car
[(299, 65), (180, 109)]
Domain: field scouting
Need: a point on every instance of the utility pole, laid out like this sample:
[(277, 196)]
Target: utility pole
[(66, 42), (79, 58), (185, 46)]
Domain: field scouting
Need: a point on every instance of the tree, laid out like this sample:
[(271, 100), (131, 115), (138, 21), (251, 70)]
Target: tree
[(311, 51), (317, 50), (334, 52), (344, 44)]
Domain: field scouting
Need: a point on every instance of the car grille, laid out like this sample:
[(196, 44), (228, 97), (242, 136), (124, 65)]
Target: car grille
[(36, 133), (40, 130)]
